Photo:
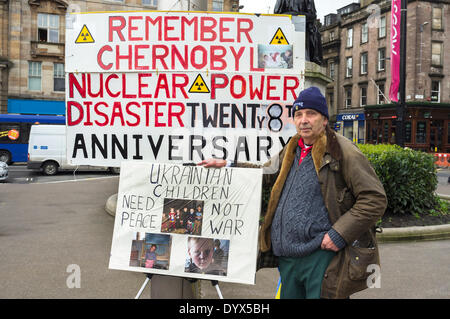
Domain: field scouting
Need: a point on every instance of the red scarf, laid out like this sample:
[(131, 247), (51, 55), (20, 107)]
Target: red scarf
[(304, 150)]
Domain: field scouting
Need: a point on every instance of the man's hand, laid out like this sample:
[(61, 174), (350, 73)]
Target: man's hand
[(327, 244), (213, 162)]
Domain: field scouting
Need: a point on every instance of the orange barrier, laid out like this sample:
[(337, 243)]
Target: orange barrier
[(442, 159)]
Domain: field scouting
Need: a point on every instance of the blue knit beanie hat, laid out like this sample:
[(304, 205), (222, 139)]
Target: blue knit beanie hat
[(311, 98)]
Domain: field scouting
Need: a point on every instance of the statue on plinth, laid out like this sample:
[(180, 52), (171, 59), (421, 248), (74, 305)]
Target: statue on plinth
[(313, 45)]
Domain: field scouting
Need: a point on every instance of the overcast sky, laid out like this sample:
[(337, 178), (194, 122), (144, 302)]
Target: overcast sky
[(323, 7)]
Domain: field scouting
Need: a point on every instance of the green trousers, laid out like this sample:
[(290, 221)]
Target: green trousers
[(301, 277)]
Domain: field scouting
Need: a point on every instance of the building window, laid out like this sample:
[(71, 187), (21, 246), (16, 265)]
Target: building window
[(380, 95), (348, 97), (421, 132), (437, 19), (349, 37), (364, 33), (48, 28), (332, 67), (58, 77), (382, 27), (385, 131), (381, 59), (361, 135), (364, 62), (363, 95), (331, 100), (408, 131), (349, 67), (34, 76), (374, 135), (448, 133), (217, 5), (348, 130), (153, 3), (435, 91), (436, 53), (345, 10), (331, 35)]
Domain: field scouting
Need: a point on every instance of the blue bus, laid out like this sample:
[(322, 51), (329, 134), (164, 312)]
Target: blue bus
[(15, 131)]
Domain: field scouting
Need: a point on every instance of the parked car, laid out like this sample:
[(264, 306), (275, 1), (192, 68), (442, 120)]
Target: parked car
[(47, 151), (3, 171)]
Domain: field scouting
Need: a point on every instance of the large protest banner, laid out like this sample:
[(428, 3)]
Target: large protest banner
[(187, 221), (180, 86)]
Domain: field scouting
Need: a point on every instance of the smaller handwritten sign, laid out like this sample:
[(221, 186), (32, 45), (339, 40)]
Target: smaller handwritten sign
[(187, 221)]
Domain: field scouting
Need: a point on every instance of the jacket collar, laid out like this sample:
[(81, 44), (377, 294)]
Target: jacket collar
[(326, 144), (333, 147)]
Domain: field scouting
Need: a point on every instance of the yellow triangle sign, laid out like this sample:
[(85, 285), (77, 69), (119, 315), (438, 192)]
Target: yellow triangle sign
[(279, 38), (199, 86), (85, 36)]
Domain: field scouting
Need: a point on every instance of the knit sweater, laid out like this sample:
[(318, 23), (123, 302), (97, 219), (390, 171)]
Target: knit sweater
[(301, 218)]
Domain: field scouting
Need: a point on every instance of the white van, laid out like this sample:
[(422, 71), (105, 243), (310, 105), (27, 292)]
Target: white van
[(47, 151)]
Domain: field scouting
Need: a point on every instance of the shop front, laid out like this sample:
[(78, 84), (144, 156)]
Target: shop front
[(352, 126), (427, 127)]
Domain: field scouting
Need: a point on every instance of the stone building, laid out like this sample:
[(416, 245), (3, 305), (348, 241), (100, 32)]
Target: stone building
[(356, 42), (32, 48)]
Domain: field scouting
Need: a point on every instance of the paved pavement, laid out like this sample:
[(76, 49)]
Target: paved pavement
[(45, 229), (416, 270), (443, 186)]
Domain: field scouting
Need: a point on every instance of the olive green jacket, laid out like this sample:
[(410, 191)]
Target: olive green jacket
[(355, 200)]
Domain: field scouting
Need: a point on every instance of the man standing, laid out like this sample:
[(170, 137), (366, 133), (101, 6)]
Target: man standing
[(325, 201)]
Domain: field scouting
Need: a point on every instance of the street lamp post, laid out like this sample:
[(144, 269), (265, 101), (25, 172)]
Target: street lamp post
[(401, 106)]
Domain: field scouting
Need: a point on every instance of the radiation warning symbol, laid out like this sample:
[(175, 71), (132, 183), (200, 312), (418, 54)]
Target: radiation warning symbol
[(85, 36), (199, 86), (279, 38)]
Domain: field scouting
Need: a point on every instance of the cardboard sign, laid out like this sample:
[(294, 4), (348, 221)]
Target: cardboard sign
[(187, 221), (180, 86)]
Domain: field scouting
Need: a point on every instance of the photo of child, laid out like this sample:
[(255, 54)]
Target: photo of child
[(150, 251), (150, 257), (182, 216), (198, 217), (275, 56), (207, 256), (172, 219)]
